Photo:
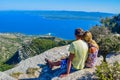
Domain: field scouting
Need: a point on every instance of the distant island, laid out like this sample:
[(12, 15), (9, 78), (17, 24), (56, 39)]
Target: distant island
[(73, 15), (54, 22)]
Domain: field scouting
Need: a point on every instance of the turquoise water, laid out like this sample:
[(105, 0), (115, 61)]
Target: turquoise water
[(35, 24)]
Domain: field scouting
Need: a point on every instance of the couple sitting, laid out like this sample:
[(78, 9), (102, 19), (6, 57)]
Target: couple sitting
[(83, 53)]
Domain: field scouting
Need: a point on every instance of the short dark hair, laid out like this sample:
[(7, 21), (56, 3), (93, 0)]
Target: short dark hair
[(79, 32)]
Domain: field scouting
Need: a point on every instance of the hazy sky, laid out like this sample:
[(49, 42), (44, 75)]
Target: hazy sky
[(111, 6)]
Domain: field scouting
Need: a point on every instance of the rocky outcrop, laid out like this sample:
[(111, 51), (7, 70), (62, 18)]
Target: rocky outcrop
[(45, 73), (4, 76), (52, 54), (14, 59), (113, 57), (26, 50), (10, 43)]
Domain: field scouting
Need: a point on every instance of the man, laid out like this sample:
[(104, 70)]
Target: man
[(78, 55)]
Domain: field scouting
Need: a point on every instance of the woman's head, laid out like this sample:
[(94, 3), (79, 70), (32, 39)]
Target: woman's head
[(88, 38)]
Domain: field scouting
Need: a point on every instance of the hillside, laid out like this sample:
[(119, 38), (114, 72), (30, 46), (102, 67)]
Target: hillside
[(9, 43), (17, 47), (43, 71)]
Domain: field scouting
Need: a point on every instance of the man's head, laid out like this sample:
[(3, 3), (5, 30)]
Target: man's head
[(79, 33)]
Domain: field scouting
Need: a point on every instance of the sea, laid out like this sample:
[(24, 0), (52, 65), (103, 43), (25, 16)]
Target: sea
[(34, 24)]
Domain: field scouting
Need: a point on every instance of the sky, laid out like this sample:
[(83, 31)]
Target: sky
[(110, 6)]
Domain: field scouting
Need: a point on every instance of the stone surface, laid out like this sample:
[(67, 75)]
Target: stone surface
[(113, 57), (4, 76), (45, 73)]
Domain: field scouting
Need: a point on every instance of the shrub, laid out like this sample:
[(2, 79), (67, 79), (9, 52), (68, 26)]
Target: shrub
[(31, 71), (64, 42), (16, 74), (108, 72), (37, 46), (42, 45), (4, 67), (61, 43), (112, 24), (98, 31), (107, 41)]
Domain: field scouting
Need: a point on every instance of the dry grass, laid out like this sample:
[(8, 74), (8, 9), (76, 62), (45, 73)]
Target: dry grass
[(16, 74), (31, 71)]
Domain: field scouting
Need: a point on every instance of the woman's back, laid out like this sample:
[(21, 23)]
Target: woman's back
[(93, 49), (92, 56)]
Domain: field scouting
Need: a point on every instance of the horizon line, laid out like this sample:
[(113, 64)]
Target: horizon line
[(66, 11)]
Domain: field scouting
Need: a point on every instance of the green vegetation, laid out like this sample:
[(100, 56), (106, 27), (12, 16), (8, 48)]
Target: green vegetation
[(99, 31), (64, 42), (10, 43), (113, 24), (38, 45), (4, 67), (108, 72), (29, 46), (105, 37), (108, 42)]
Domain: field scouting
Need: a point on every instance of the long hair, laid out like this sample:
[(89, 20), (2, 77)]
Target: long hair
[(88, 38)]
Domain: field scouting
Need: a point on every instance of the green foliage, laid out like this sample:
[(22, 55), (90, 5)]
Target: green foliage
[(38, 45), (108, 72), (98, 32), (64, 42), (41, 45), (107, 41), (10, 43), (61, 43), (112, 24), (4, 67)]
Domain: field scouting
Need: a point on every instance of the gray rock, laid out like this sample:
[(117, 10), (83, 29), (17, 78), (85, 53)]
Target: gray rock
[(45, 73), (113, 57), (52, 54), (4, 76)]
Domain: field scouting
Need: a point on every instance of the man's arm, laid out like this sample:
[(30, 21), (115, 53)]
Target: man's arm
[(70, 58)]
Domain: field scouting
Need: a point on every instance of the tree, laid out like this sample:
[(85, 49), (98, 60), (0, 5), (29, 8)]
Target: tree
[(113, 24)]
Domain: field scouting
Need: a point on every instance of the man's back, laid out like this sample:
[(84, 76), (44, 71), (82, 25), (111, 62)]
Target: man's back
[(80, 50)]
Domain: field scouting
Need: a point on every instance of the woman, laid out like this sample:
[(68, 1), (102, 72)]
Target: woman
[(93, 50)]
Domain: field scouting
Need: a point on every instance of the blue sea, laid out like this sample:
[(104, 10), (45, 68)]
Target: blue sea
[(35, 24)]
